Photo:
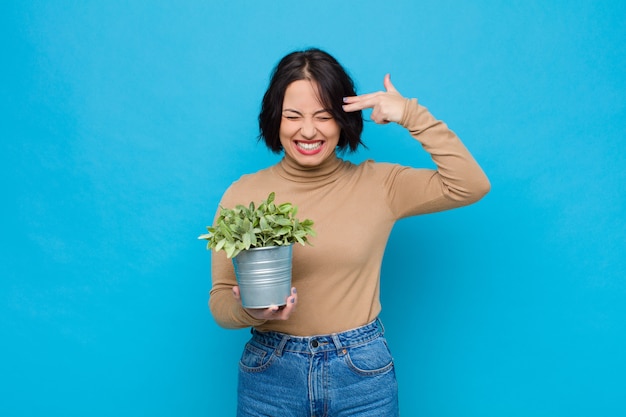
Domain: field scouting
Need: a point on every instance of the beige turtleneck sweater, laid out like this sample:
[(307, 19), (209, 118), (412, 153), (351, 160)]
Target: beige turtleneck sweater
[(354, 208)]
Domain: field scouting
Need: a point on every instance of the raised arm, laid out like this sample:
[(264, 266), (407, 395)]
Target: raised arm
[(458, 179)]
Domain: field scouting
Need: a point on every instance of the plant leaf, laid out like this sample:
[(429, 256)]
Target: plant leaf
[(220, 245), (230, 249), (247, 241), (265, 224)]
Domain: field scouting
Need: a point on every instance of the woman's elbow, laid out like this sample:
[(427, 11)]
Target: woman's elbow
[(484, 187), (471, 192), (479, 189)]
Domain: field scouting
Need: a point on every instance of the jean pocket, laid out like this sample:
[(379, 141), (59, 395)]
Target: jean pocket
[(256, 357), (373, 358)]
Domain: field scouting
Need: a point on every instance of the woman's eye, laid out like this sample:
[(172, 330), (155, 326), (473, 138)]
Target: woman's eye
[(324, 118), (292, 117)]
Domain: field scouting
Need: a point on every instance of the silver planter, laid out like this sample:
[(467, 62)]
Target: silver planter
[(264, 275)]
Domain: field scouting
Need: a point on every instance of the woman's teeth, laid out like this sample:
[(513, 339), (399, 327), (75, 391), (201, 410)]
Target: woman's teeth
[(309, 146)]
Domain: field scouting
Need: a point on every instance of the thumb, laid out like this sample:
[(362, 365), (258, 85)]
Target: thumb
[(236, 292), (388, 85)]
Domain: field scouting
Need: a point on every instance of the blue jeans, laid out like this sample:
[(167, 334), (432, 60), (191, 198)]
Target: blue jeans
[(341, 374)]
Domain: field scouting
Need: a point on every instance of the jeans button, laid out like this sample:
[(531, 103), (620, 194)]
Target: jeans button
[(315, 343)]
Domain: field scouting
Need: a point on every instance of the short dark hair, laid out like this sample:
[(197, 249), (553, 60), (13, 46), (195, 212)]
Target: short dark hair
[(334, 84)]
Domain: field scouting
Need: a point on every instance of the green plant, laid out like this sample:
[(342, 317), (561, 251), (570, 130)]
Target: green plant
[(269, 224)]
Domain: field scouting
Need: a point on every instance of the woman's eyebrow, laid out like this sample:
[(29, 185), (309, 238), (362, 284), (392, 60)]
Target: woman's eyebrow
[(314, 113)]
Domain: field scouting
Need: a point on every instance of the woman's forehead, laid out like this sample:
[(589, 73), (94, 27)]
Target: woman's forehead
[(302, 95)]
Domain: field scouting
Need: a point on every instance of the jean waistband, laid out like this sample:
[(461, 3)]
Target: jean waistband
[(320, 343)]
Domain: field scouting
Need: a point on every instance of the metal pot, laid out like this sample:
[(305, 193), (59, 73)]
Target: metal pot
[(264, 275)]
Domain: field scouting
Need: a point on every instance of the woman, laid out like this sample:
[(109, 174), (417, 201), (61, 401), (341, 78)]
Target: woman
[(324, 352)]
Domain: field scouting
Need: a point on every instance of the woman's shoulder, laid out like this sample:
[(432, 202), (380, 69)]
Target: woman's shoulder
[(252, 177), (248, 187), (375, 168)]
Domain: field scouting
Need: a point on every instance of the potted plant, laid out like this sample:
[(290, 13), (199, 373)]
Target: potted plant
[(259, 240)]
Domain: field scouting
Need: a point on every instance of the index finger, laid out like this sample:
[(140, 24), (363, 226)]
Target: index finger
[(361, 102)]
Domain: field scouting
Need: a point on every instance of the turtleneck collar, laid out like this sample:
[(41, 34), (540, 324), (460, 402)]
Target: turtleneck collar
[(326, 171)]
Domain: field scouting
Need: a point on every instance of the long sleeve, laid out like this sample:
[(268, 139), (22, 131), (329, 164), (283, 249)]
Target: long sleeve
[(226, 310), (457, 181)]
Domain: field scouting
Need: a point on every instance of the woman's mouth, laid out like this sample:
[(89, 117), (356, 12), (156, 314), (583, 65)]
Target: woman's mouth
[(309, 147)]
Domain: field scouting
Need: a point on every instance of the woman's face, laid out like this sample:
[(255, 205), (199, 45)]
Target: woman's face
[(308, 132)]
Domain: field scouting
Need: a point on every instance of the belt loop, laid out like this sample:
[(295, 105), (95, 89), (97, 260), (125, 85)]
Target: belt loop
[(337, 343), (380, 326), (281, 345)]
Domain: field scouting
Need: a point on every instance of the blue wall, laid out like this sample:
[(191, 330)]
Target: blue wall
[(123, 122)]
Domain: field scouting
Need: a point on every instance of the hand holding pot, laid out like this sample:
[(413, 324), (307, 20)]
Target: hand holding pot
[(272, 312)]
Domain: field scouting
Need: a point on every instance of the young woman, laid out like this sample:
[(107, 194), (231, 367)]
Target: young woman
[(324, 352)]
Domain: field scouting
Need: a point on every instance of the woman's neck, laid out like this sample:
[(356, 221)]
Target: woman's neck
[(290, 169)]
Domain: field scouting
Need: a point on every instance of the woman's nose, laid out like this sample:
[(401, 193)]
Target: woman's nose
[(308, 129)]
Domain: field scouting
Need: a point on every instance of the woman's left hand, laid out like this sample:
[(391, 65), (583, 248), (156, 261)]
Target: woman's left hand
[(387, 106), (272, 312)]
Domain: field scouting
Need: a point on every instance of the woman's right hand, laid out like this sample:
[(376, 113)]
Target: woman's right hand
[(387, 106), (272, 312)]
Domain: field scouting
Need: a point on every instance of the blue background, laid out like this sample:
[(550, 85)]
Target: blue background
[(123, 122)]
